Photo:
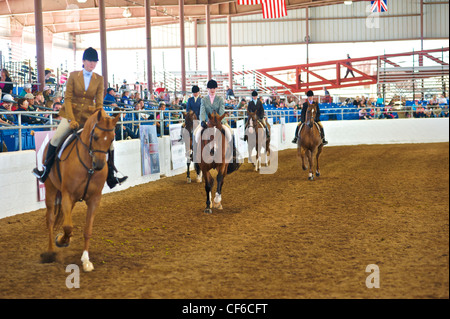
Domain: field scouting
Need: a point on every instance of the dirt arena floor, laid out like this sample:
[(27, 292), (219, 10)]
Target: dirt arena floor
[(279, 236)]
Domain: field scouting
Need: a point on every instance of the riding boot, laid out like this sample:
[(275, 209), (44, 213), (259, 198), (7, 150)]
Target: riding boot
[(322, 132), (296, 135), (47, 165), (113, 180), (267, 133)]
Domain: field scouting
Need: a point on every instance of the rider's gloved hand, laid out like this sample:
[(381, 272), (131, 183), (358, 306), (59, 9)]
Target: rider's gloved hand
[(204, 125)]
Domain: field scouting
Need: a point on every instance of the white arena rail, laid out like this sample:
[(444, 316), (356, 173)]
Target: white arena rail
[(18, 187)]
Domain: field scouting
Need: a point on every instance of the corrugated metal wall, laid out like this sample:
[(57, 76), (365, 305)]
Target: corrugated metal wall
[(328, 24)]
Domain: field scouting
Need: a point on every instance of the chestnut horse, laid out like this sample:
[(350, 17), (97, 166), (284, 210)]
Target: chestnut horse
[(79, 175), (309, 143), (216, 152), (257, 139), (187, 136)]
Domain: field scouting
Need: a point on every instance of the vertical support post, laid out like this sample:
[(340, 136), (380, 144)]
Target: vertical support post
[(103, 47), (208, 40), (307, 44), (39, 30), (230, 53), (182, 45), (148, 32)]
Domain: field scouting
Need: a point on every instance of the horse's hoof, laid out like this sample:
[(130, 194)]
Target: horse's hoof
[(199, 179), (208, 211), (218, 206), (311, 178), (58, 237), (317, 174), (48, 257), (88, 266), (188, 180), (304, 168)]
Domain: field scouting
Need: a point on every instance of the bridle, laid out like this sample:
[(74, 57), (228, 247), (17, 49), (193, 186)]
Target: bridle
[(90, 151)]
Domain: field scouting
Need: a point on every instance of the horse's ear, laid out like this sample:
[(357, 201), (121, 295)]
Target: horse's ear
[(99, 115), (116, 118), (222, 117), (184, 114), (210, 116)]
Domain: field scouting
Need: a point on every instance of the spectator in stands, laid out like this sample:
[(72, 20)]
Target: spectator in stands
[(194, 102), (125, 99), (291, 102), (242, 105), (110, 96), (429, 112), (442, 100), (327, 98), (433, 101), (47, 93), (363, 114), (23, 107), (30, 98), (26, 90), (166, 98), (38, 100), (7, 103), (230, 93), (388, 112), (160, 116), (49, 77), (6, 88), (420, 111), (152, 103), (444, 112), (349, 64)]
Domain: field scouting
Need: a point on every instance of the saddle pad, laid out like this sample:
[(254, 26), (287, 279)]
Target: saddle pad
[(67, 141)]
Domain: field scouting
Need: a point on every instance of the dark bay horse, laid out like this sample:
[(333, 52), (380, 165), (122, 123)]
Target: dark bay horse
[(187, 136), (80, 174), (257, 139), (310, 141), (217, 152)]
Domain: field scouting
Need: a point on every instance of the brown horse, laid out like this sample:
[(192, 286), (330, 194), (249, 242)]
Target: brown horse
[(79, 175), (216, 153), (257, 139), (310, 141), (187, 136)]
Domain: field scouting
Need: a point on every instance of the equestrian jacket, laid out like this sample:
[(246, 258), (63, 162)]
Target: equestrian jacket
[(194, 106), (258, 108), (207, 108), (305, 109), (79, 103)]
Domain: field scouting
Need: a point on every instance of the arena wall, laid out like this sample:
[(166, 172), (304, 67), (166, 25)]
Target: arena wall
[(18, 187)]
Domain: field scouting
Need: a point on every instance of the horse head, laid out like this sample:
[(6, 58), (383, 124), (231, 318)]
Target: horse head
[(189, 118), (311, 114), (215, 120), (98, 134)]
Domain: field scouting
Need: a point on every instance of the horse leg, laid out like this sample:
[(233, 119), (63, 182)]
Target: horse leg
[(209, 182), (199, 173), (319, 151), (309, 154), (50, 202), (67, 204), (218, 199), (302, 155), (188, 173), (92, 205)]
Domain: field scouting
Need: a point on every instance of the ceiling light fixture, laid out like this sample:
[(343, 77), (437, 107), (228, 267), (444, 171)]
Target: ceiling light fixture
[(82, 1), (348, 3), (126, 13)]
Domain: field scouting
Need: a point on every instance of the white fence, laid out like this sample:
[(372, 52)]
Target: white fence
[(18, 187)]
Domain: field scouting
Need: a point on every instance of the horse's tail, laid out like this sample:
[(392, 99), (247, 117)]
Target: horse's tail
[(58, 211), (235, 164)]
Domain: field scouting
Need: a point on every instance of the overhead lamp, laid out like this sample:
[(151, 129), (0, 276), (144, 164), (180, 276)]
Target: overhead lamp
[(348, 3), (126, 13), (82, 1)]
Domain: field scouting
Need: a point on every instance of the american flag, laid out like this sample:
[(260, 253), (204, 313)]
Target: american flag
[(273, 9), (379, 6), (249, 2)]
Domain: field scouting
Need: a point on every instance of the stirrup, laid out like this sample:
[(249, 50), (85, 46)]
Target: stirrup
[(324, 142), (40, 175), (294, 141)]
